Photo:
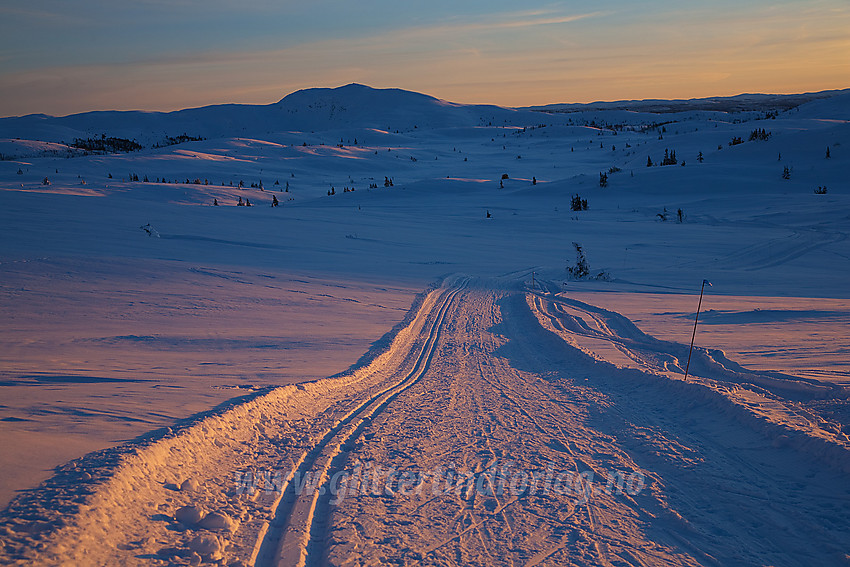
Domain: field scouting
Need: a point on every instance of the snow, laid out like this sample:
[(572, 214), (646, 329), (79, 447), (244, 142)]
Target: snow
[(174, 373)]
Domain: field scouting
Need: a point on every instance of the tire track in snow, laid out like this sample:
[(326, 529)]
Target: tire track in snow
[(296, 534)]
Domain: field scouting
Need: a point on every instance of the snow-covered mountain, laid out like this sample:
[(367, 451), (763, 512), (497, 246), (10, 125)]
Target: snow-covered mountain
[(352, 107), (349, 107), (737, 103)]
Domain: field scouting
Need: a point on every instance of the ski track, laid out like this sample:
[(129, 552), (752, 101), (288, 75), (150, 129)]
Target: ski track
[(779, 251), (295, 535), (538, 405)]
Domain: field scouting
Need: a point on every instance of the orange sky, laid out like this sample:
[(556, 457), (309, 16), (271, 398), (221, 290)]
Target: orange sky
[(161, 57)]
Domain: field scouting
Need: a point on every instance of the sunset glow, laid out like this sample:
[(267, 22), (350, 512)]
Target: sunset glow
[(61, 58)]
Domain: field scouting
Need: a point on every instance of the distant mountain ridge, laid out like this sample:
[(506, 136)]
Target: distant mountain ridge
[(344, 108), (736, 103), (317, 109)]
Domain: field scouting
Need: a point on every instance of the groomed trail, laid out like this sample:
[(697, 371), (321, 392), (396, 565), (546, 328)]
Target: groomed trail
[(501, 426)]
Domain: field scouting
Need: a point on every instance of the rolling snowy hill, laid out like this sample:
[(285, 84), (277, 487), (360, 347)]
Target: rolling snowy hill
[(352, 107), (134, 306)]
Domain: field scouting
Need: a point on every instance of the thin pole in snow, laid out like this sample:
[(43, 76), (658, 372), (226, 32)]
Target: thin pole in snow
[(532, 280), (696, 319)]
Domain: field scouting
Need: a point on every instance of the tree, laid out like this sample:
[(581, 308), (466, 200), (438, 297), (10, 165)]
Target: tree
[(603, 180), (581, 269), (700, 158), (577, 203), (648, 161), (786, 173), (827, 152)]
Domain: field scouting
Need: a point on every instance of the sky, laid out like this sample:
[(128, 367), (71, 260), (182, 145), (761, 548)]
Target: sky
[(66, 56)]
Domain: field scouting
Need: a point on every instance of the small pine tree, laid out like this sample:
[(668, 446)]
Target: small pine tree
[(603, 180), (700, 158), (648, 161), (581, 269), (786, 173), (577, 203), (827, 152)]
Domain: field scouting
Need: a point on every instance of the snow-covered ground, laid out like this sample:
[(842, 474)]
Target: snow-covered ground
[(130, 303)]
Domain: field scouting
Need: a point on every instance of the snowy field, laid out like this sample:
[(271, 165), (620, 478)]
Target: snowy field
[(163, 360)]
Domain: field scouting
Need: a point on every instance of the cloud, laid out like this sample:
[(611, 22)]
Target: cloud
[(506, 21), (18, 14), (510, 58)]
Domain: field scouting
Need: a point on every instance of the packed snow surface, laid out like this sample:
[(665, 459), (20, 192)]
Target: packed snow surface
[(395, 365)]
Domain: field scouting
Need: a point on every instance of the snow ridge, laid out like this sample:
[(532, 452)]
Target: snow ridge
[(738, 393), (106, 497)]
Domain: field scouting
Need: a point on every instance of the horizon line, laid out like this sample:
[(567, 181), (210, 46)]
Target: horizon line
[(527, 107)]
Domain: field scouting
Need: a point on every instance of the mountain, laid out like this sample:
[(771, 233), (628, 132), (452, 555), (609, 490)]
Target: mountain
[(347, 107), (354, 107), (737, 103)]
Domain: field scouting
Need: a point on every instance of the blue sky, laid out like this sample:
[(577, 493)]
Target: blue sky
[(65, 56)]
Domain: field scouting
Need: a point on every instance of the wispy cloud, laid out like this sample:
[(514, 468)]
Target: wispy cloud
[(515, 20), (520, 57), (543, 21), (43, 17)]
